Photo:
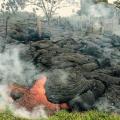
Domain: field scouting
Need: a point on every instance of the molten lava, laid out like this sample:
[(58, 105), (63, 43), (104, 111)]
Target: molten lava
[(35, 96), (38, 90)]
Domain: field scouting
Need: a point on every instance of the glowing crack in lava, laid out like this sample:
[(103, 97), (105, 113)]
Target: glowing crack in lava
[(36, 96)]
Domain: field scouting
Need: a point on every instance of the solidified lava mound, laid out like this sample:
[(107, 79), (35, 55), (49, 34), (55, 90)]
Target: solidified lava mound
[(91, 65), (81, 73)]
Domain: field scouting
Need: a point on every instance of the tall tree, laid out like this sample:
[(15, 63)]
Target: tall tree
[(48, 7)]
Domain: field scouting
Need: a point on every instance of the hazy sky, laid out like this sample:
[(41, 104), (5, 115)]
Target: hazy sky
[(111, 1), (66, 11)]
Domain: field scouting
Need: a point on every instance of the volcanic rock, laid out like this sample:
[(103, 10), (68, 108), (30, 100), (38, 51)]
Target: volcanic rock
[(91, 62), (79, 72)]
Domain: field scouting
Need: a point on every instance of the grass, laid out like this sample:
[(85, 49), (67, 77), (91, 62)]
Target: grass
[(91, 115), (63, 115), (8, 116)]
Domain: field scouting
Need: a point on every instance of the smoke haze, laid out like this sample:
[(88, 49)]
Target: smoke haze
[(15, 70)]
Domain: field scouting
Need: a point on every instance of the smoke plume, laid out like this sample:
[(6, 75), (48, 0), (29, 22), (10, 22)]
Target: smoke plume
[(15, 70)]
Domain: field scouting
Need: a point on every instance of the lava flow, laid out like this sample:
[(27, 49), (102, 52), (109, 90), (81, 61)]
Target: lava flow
[(35, 96)]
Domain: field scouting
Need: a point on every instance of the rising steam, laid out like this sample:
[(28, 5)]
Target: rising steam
[(6, 103), (15, 70)]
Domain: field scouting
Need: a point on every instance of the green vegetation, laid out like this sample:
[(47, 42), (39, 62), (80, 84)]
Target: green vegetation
[(91, 115), (63, 115), (8, 116)]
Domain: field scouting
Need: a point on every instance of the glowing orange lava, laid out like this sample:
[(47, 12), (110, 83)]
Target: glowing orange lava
[(38, 90)]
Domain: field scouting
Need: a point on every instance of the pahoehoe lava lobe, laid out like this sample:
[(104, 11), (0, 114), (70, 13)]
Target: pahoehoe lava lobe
[(92, 67), (78, 92)]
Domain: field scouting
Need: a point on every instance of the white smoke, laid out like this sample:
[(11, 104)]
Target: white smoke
[(37, 112), (6, 102), (100, 17), (103, 104), (61, 76), (100, 10), (15, 70), (105, 15)]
